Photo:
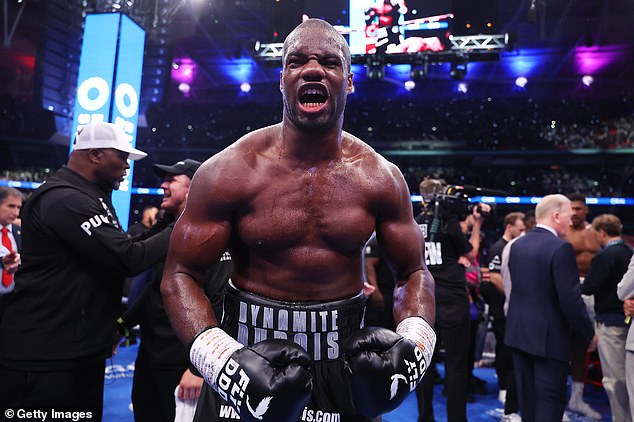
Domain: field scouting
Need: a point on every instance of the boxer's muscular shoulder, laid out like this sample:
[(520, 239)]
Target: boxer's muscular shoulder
[(583, 239), (236, 163), (370, 163)]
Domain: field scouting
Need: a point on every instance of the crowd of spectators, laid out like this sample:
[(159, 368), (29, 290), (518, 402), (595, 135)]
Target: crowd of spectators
[(482, 123), (504, 124), (27, 174), (526, 181)]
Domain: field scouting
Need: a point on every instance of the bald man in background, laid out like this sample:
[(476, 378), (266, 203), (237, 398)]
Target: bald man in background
[(59, 323), (545, 307)]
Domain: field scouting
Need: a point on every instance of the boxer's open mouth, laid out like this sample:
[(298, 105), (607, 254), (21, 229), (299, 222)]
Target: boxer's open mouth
[(313, 97)]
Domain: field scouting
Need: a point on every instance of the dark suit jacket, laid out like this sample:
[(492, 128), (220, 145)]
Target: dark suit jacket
[(17, 234), (545, 303)]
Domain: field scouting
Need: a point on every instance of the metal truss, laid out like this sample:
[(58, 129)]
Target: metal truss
[(487, 42), (469, 47), (269, 51)]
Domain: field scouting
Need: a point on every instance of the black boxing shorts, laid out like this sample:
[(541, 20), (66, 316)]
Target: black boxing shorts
[(319, 327)]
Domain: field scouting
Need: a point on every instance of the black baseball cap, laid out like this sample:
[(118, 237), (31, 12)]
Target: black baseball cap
[(187, 167)]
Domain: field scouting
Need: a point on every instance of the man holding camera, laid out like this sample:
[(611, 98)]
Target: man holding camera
[(445, 243)]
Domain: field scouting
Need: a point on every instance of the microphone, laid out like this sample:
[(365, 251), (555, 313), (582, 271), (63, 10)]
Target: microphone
[(435, 222), (474, 190)]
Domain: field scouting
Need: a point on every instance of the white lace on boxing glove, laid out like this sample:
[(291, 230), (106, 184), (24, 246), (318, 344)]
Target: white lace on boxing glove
[(210, 351), (420, 332)]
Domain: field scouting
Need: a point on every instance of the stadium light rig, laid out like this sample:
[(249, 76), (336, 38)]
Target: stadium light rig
[(521, 81), (587, 80)]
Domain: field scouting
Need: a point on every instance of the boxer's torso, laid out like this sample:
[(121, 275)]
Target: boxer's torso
[(585, 243), (300, 229)]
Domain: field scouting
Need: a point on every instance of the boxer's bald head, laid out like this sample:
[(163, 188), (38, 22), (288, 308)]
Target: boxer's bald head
[(323, 30)]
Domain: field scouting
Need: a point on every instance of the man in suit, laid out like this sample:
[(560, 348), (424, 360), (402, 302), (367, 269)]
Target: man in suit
[(545, 307), (10, 204)]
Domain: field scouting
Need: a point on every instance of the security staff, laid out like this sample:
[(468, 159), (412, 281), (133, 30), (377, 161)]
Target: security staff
[(162, 363), (59, 324)]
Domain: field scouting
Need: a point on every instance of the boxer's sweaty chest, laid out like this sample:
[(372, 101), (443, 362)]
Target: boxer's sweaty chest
[(316, 207)]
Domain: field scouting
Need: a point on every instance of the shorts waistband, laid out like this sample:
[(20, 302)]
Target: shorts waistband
[(319, 327)]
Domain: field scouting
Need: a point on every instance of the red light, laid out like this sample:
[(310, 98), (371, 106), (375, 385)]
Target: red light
[(275, 34), (468, 25)]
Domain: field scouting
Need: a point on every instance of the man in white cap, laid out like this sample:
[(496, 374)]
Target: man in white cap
[(59, 324)]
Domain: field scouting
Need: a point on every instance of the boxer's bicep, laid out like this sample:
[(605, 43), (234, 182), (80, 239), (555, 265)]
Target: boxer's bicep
[(195, 246), (201, 234), (397, 232)]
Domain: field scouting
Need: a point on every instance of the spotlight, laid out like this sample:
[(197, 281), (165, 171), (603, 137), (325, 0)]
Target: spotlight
[(245, 87), (521, 81), (410, 85), (587, 80), (462, 88), (184, 87), (458, 70)]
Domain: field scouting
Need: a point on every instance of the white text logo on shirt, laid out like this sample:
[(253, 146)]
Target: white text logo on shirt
[(94, 222)]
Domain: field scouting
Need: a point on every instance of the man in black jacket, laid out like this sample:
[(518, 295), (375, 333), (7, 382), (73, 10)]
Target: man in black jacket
[(445, 244), (59, 324), (606, 271), (163, 362)]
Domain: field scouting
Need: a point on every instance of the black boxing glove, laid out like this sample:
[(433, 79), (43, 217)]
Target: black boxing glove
[(383, 366), (269, 381)]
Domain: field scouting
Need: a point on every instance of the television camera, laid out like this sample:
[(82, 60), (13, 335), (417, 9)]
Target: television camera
[(453, 200)]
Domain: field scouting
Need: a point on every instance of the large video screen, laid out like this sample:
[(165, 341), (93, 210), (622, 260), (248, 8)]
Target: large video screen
[(387, 26)]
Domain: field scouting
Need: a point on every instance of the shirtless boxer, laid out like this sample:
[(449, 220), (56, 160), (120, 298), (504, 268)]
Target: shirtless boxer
[(585, 242), (295, 204)]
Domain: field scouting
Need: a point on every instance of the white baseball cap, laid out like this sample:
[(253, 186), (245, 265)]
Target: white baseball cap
[(105, 135)]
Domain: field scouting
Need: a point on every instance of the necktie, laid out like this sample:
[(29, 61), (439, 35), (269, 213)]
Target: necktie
[(7, 278)]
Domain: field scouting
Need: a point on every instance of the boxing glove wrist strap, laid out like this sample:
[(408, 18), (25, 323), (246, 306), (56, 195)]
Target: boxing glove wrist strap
[(191, 342), (420, 332), (210, 351)]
